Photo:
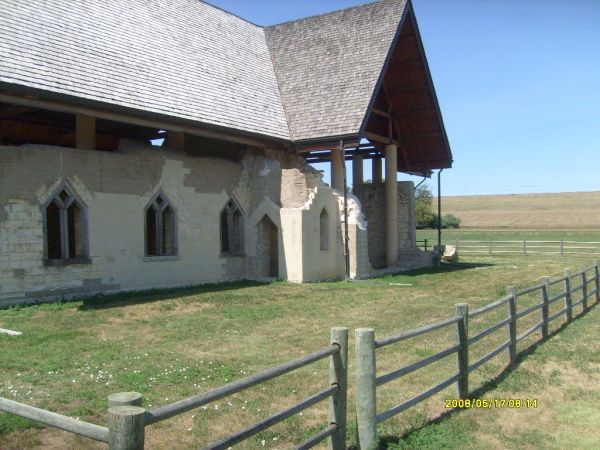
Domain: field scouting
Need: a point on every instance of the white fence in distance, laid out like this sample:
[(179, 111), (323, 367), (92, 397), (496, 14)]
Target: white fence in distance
[(525, 247)]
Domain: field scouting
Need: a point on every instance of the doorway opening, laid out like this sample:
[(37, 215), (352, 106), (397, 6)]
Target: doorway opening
[(268, 249)]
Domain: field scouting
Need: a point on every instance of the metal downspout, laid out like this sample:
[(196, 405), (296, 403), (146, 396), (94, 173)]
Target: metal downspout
[(439, 221)]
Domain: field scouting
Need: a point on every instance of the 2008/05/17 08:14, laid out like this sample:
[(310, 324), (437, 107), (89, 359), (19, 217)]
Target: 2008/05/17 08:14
[(489, 403)]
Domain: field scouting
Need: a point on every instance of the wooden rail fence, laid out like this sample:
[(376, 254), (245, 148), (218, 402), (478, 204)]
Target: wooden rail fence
[(127, 419), (367, 380), (520, 247)]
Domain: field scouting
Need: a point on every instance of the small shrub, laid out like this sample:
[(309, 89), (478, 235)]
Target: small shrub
[(450, 221)]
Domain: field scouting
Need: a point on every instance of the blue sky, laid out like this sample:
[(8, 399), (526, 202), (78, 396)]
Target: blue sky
[(518, 83)]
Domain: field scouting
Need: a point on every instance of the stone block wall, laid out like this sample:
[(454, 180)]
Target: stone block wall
[(372, 198), (115, 188)]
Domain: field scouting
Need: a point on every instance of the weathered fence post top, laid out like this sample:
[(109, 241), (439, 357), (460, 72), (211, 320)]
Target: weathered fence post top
[(125, 398), (338, 375), (462, 309), (366, 403), (126, 427)]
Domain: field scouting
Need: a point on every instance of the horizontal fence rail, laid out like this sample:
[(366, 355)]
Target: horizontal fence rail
[(520, 247), (367, 381), (127, 418), (272, 420), (416, 332), (55, 420), (182, 406)]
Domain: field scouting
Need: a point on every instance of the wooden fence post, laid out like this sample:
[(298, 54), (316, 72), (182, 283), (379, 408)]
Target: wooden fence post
[(584, 288), (126, 427), (568, 297), (338, 374), (512, 326), (525, 247), (462, 309), (125, 398), (562, 248), (490, 248), (597, 278), (366, 395), (545, 306)]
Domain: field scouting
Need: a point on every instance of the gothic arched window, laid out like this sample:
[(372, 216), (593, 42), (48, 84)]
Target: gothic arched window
[(324, 229), (232, 229), (65, 233), (161, 227)]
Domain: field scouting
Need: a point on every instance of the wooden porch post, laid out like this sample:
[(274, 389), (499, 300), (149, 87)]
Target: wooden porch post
[(337, 169), (357, 169), (85, 132)]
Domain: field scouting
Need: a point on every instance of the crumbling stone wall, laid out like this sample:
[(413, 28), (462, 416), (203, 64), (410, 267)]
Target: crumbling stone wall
[(117, 186), (372, 198)]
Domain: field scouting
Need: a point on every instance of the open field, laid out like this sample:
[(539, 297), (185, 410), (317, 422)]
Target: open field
[(547, 211), (512, 234), (170, 345)]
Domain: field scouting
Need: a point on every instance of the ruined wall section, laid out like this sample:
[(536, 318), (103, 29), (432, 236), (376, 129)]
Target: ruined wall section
[(372, 198), (304, 196)]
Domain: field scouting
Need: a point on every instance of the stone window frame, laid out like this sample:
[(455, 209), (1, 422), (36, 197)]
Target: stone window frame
[(324, 230), (64, 205), (231, 208), (159, 210)]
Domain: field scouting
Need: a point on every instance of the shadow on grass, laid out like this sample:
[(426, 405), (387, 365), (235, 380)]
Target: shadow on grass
[(442, 268), (386, 441), (122, 299)]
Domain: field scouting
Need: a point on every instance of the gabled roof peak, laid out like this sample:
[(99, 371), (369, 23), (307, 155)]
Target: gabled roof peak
[(231, 14), (316, 16)]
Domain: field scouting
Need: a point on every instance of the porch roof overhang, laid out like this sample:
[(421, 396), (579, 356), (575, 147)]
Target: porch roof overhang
[(404, 111)]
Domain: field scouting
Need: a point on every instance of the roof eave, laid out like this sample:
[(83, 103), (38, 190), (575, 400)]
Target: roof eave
[(408, 9), (431, 85), (327, 142), (28, 96), (381, 76)]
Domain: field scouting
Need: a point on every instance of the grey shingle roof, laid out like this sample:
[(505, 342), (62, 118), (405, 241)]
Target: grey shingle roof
[(327, 66), (182, 58), (305, 79)]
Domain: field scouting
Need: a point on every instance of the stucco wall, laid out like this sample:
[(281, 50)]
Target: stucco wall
[(301, 230)]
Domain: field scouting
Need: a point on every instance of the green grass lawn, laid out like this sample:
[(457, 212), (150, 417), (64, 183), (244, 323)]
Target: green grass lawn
[(562, 375), (170, 345)]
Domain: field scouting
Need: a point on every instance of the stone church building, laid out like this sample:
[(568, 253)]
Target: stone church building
[(149, 144)]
